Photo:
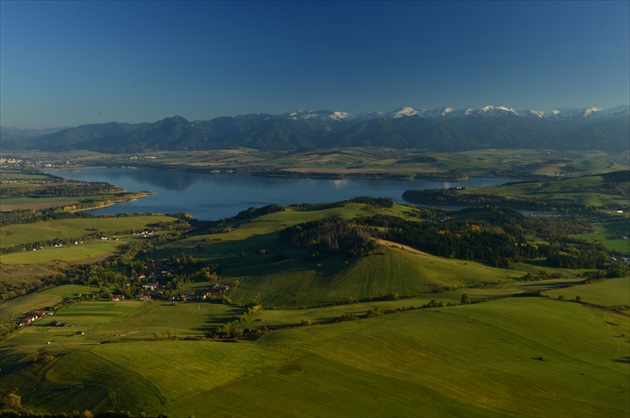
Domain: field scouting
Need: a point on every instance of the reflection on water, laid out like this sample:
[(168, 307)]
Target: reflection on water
[(215, 196)]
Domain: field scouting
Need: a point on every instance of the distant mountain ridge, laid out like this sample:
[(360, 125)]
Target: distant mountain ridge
[(443, 129)]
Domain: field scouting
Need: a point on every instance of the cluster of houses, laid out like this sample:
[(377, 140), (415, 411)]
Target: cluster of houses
[(143, 234), (157, 291), (31, 317), (155, 283), (197, 295)]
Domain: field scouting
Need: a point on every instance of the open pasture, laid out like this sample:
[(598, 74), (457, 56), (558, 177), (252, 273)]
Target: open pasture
[(11, 310), (74, 228), (513, 357), (610, 292), (328, 314), (127, 320), (90, 250), (295, 282), (587, 191)]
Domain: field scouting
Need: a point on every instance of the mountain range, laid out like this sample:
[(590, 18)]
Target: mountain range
[(444, 129)]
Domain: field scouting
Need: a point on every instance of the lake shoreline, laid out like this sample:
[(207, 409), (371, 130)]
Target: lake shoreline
[(213, 196)]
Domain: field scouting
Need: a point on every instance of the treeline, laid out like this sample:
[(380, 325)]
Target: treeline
[(455, 197), (254, 212), (488, 243), (570, 257), (29, 216), (384, 202)]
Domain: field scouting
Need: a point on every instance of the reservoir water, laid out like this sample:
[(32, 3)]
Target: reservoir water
[(214, 196)]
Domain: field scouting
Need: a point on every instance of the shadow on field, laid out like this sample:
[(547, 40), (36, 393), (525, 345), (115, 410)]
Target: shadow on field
[(538, 263), (625, 360), (554, 284), (215, 321)]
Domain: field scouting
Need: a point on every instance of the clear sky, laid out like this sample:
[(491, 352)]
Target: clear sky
[(76, 62)]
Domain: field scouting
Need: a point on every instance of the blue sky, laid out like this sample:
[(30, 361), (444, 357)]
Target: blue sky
[(70, 63)]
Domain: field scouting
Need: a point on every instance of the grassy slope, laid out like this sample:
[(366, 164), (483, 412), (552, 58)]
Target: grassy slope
[(78, 252), (573, 189), (73, 228), (611, 292), (474, 360), (13, 308), (295, 283)]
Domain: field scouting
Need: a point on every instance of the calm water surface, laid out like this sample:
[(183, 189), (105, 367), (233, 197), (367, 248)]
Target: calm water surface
[(214, 196)]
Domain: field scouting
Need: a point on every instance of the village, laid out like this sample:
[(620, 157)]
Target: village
[(159, 280)]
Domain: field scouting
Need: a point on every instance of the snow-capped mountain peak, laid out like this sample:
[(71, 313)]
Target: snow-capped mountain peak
[(338, 115), (590, 111), (446, 111), (404, 112), (497, 111), (316, 115), (451, 112)]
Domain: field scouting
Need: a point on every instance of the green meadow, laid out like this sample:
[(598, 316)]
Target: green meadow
[(511, 357), (294, 283), (14, 308), (69, 252), (75, 228), (611, 292)]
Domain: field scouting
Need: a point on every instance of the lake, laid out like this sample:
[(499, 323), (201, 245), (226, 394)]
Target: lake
[(214, 196)]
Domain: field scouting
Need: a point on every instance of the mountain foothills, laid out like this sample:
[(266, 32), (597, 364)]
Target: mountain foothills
[(445, 129)]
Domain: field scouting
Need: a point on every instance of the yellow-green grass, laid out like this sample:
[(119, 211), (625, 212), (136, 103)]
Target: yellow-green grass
[(18, 273), (71, 252), (573, 189), (131, 320), (92, 323), (6, 175), (12, 310), (611, 292), (294, 282), (73, 228), (515, 357), (536, 266)]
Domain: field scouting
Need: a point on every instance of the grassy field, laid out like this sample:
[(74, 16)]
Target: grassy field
[(294, 282), (473, 360), (576, 190), (11, 310), (611, 292), (90, 250), (74, 228)]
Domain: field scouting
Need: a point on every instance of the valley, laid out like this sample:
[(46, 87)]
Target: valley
[(351, 308)]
